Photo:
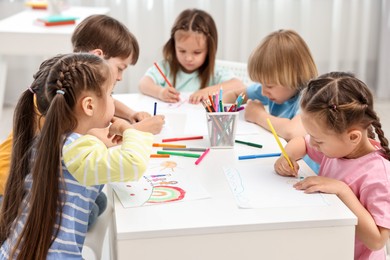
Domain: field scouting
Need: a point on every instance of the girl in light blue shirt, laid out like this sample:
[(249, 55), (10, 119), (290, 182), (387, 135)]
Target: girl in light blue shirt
[(189, 62)]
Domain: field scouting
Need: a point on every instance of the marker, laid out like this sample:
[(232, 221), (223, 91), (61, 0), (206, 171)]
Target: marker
[(170, 145), (180, 154), (182, 138), (160, 175), (159, 156), (155, 108), (202, 156), (249, 144), (185, 149), (254, 156), (279, 143)]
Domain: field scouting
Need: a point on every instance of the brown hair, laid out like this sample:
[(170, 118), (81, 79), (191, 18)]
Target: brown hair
[(105, 33), (282, 58), (23, 135), (341, 101), (71, 75), (193, 20)]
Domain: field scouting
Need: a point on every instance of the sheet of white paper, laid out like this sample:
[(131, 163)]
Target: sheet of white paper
[(263, 188), (166, 180)]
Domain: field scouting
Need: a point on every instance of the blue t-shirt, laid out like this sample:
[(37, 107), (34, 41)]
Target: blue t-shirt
[(288, 109)]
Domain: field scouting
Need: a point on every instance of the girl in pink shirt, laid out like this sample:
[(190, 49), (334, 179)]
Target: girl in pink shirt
[(339, 117)]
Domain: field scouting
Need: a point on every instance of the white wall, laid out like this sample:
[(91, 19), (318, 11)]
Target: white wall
[(342, 34)]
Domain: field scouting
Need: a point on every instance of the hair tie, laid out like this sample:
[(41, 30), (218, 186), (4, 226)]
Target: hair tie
[(31, 90), (60, 91), (333, 107)]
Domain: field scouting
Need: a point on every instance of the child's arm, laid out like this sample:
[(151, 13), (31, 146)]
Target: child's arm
[(295, 149), (232, 95), (92, 163), (286, 128), (166, 94), (123, 111), (373, 236), (203, 94)]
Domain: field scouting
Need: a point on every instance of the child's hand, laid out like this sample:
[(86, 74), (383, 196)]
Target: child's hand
[(103, 135), (117, 127), (139, 116), (282, 167), (169, 94), (152, 124), (253, 110), (321, 184), (198, 96)]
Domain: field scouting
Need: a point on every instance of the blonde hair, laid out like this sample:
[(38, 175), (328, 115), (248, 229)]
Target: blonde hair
[(282, 58)]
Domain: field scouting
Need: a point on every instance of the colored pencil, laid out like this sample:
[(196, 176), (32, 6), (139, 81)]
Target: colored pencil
[(182, 138), (254, 156), (202, 156), (159, 156), (249, 144), (185, 149), (163, 75), (170, 145), (279, 143), (180, 154)]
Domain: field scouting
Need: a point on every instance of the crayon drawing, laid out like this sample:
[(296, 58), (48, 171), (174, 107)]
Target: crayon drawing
[(165, 181), (255, 189)]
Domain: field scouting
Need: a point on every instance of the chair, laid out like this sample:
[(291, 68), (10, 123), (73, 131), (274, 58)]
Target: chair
[(95, 237), (238, 68)]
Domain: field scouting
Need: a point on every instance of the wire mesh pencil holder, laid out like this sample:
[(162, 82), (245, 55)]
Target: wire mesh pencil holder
[(222, 129)]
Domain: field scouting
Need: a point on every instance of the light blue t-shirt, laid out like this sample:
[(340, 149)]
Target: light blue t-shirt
[(288, 109), (187, 82)]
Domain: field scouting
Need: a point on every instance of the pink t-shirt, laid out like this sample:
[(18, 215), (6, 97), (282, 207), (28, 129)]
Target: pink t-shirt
[(369, 178)]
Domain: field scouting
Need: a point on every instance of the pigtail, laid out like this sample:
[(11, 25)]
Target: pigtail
[(46, 199), (24, 126), (379, 131)]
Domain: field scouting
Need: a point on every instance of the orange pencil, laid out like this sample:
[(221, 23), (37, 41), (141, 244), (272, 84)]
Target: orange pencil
[(160, 156), (170, 145), (163, 75)]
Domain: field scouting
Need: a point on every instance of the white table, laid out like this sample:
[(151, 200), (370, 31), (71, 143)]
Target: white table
[(216, 228), (19, 35)]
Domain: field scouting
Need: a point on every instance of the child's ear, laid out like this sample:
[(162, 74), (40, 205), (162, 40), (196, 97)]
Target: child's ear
[(355, 136), (87, 105), (97, 52)]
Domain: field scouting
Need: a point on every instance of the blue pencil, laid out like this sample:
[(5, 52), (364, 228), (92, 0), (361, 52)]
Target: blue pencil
[(254, 156), (155, 108)]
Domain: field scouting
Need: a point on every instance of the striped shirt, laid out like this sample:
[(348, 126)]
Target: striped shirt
[(87, 164)]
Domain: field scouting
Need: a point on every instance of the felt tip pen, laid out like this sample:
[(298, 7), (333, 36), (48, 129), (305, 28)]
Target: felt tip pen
[(254, 156), (155, 108), (182, 138), (170, 145), (159, 156), (184, 149), (202, 156), (179, 154), (249, 144)]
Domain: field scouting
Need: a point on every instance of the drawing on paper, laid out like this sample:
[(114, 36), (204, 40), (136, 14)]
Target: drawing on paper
[(163, 182), (163, 194)]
